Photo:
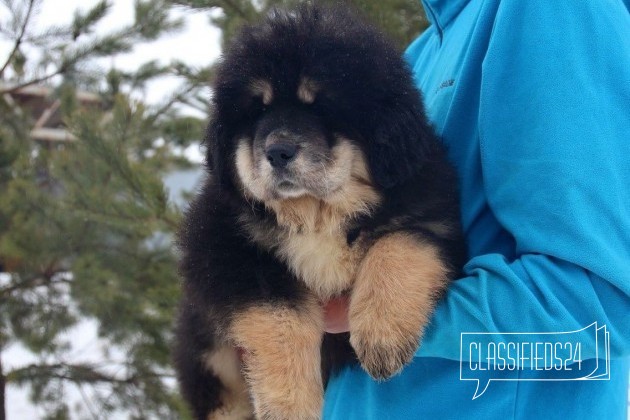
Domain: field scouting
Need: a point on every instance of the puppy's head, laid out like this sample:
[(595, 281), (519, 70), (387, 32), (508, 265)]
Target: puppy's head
[(292, 151), (310, 101)]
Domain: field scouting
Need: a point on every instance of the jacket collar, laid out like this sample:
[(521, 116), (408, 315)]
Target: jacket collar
[(441, 12)]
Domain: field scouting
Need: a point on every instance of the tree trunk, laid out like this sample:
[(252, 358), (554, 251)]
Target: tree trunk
[(3, 383)]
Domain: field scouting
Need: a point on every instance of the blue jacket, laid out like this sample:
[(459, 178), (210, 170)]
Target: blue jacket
[(533, 100)]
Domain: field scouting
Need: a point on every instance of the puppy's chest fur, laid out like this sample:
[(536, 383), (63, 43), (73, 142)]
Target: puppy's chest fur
[(323, 260), (311, 239)]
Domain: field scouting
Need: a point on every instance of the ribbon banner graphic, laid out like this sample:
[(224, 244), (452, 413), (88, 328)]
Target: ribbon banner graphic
[(528, 356)]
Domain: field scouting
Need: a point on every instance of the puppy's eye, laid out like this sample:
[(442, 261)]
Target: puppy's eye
[(256, 107), (260, 104)]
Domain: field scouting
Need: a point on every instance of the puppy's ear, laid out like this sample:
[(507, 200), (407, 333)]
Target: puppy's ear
[(215, 141), (400, 139)]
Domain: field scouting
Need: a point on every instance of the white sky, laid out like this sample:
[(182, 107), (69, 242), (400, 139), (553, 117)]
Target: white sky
[(197, 44)]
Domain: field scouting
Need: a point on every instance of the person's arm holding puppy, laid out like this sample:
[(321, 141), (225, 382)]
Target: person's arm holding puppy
[(540, 139)]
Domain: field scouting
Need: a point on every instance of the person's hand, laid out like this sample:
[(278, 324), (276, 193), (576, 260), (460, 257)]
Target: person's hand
[(336, 315)]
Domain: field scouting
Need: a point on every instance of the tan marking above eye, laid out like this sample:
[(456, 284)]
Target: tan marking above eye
[(263, 89), (307, 90)]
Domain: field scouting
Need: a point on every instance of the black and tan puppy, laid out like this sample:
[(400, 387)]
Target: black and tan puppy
[(324, 179)]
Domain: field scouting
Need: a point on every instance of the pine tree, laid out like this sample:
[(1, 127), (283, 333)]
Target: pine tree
[(85, 224), (402, 20)]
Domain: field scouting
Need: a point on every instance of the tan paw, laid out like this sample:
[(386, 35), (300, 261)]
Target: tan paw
[(394, 294), (383, 355)]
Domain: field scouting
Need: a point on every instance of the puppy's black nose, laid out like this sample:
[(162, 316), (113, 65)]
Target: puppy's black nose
[(279, 155)]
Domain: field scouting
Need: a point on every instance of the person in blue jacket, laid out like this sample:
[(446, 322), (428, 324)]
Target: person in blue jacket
[(532, 99)]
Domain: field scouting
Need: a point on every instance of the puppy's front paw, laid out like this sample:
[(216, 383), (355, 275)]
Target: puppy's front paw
[(393, 297), (382, 350)]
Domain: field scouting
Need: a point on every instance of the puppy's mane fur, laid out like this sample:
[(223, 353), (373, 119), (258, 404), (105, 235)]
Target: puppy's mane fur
[(257, 264)]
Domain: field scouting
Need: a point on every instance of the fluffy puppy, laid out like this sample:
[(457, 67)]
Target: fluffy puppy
[(324, 179)]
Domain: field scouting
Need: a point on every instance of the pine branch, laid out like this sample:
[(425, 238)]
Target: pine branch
[(201, 104), (18, 41), (231, 4), (45, 279), (78, 373), (107, 45), (175, 98), (48, 34), (222, 4)]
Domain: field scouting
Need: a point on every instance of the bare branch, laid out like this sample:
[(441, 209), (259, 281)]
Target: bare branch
[(35, 81), (78, 373), (18, 41), (83, 373)]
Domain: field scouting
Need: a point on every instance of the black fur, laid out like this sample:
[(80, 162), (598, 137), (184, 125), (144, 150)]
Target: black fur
[(374, 103)]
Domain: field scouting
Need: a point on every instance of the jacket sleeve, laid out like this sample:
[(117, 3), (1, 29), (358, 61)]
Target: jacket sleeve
[(554, 130)]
